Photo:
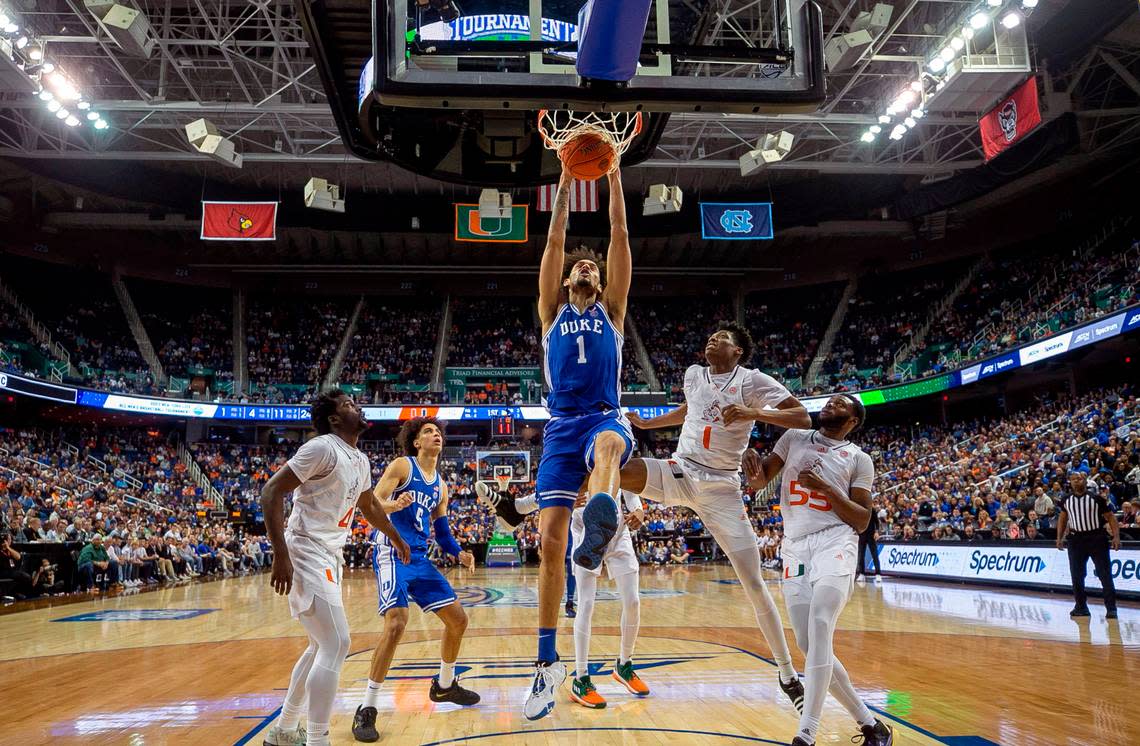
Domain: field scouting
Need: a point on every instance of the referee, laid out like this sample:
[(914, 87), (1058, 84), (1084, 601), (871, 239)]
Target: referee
[(1083, 518)]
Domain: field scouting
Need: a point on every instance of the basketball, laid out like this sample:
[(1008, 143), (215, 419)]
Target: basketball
[(588, 156)]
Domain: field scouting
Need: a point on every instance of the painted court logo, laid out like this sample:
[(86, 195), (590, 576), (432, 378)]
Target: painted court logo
[(472, 595)]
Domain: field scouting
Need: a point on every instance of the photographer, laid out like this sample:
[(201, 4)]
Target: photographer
[(44, 582), (10, 567)]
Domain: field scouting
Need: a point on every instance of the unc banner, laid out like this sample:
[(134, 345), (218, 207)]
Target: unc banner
[(745, 221)]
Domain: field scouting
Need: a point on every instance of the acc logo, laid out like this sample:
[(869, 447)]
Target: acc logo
[(736, 221), (1007, 118)]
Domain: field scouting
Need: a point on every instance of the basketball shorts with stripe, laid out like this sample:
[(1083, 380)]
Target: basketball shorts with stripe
[(317, 572)]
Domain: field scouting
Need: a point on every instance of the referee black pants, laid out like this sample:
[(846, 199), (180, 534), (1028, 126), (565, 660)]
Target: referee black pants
[(1082, 547), (867, 541)]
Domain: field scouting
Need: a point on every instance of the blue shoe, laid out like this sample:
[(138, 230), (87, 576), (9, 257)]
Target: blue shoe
[(600, 521)]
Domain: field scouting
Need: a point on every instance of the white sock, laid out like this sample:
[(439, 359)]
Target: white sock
[(587, 590), (526, 505), (372, 694), (446, 673), (630, 614), (290, 716), (318, 734)]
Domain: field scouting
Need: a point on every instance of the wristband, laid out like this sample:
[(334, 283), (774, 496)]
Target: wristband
[(443, 536)]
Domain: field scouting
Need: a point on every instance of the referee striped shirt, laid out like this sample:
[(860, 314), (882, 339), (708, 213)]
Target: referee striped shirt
[(1086, 512)]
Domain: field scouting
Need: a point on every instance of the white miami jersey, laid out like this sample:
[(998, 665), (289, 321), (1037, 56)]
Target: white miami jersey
[(839, 463), (706, 441), (332, 474)]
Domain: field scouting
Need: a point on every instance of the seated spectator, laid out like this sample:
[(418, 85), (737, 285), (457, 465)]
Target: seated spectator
[(678, 554), (94, 560), (11, 568), (44, 582)]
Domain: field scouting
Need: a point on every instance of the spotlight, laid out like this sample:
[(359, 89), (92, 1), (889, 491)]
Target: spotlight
[(84, 105), (979, 20), (1029, 4), (875, 129), (936, 65), (21, 42), (72, 121), (867, 137), (54, 105), (909, 122), (92, 116), (916, 86), (884, 119), (968, 32), (957, 44), (62, 114), (1011, 20), (100, 124), (35, 54), (46, 95), (947, 54), (4, 20), (898, 132), (10, 28), (48, 68), (918, 113), (994, 3)]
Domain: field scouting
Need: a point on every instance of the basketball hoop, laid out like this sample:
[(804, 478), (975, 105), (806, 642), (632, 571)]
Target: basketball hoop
[(503, 479), (618, 128)]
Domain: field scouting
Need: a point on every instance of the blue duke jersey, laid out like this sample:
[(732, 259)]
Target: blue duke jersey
[(414, 521), (583, 362)]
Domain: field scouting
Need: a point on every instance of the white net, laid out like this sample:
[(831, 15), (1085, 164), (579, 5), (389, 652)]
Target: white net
[(560, 126)]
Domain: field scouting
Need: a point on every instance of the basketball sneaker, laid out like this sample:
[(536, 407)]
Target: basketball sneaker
[(600, 518), (547, 678), (801, 741), (364, 725), (627, 677), (795, 691), (571, 610), (280, 737), (586, 694), (1080, 611), (454, 693), (878, 734), (503, 505)]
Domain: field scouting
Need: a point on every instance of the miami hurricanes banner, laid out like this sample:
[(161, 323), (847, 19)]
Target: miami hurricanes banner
[(470, 227), (1011, 120), (239, 221)]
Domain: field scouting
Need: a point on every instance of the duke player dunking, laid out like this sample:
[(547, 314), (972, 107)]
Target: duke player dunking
[(582, 336), (825, 499)]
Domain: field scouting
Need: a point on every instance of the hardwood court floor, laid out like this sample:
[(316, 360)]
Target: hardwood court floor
[(207, 663)]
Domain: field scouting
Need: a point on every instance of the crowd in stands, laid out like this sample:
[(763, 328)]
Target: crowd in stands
[(675, 334), (393, 337), (189, 327), (1028, 295), (492, 333), (293, 341), (787, 326), (882, 316)]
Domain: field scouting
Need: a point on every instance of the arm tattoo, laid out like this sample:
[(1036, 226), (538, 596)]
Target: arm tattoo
[(561, 201)]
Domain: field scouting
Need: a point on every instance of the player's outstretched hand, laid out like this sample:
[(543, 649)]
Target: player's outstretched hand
[(403, 551), (636, 420), (282, 576), (582, 499), (734, 413), (635, 520), (753, 469), (467, 560)]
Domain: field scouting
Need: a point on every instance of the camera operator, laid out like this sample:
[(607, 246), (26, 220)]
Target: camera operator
[(10, 567)]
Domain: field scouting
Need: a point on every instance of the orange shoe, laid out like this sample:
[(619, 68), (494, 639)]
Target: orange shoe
[(627, 677), (583, 692)]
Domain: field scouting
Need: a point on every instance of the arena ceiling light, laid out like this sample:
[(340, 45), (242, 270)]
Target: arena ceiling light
[(1011, 20)]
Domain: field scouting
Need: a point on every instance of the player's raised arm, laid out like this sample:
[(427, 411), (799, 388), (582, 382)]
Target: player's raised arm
[(669, 419), (550, 270), (394, 475), (619, 259)]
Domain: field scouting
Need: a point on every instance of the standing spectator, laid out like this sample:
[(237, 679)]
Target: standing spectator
[(10, 561), (868, 540), (1085, 515)]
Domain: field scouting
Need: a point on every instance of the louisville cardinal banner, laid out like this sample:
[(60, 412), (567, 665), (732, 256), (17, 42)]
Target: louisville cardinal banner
[(583, 196), (1010, 120), (239, 221)]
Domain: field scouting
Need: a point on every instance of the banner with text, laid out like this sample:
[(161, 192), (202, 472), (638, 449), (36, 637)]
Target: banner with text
[(747, 221), (1010, 120), (470, 227), (1003, 563)]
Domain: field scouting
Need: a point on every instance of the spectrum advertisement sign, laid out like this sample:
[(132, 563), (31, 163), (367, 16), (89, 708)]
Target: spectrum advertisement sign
[(1002, 563)]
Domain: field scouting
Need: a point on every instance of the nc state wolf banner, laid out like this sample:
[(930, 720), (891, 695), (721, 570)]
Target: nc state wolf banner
[(1010, 120), (239, 221)]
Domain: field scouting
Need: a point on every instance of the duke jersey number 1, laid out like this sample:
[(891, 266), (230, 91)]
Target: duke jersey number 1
[(582, 362)]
